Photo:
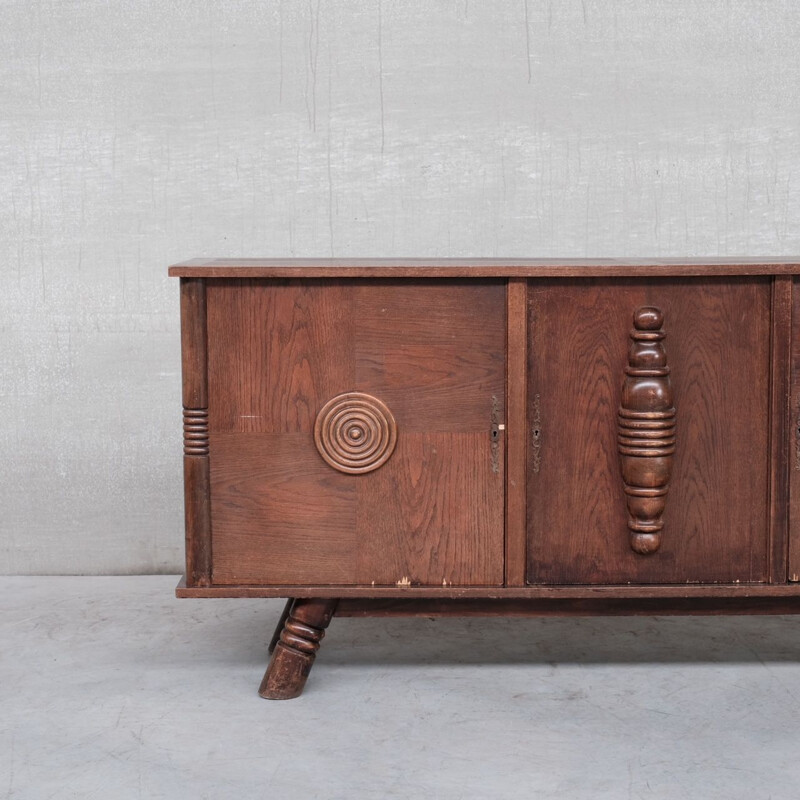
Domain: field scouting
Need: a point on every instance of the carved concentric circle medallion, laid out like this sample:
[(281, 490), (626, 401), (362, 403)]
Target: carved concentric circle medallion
[(355, 432)]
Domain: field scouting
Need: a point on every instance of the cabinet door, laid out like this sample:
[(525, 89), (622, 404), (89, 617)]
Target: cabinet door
[(679, 461), (351, 432)]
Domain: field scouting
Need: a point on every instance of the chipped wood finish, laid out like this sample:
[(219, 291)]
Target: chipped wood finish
[(739, 591)]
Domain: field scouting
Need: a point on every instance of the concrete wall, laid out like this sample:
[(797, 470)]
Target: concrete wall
[(134, 134)]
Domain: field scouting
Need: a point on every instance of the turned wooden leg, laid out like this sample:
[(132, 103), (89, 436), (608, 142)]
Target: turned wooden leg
[(296, 648), (279, 627)]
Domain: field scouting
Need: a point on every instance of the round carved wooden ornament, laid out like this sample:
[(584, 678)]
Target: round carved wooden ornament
[(355, 432)]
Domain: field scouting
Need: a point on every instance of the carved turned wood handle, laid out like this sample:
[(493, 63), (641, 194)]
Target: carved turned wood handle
[(646, 432)]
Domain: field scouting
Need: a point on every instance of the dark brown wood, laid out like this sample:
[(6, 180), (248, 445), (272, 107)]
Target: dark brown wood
[(417, 268), (627, 591), (516, 433), (296, 648), (414, 525), (276, 634), (561, 607), (355, 433), (793, 438), (718, 512), (277, 353), (433, 351), (195, 432), (646, 430), (433, 356), (440, 437), (780, 400), (281, 515)]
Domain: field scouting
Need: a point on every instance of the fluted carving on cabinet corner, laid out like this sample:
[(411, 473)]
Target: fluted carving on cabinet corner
[(646, 430), (195, 431)]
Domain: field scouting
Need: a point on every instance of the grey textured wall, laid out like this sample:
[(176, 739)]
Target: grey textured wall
[(134, 134)]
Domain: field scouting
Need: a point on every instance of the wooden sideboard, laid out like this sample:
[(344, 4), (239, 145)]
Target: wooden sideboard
[(440, 437)]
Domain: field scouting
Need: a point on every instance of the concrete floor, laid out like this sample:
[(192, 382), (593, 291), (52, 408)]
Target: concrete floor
[(111, 688)]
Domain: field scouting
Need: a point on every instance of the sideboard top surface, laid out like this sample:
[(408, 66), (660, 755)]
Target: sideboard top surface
[(477, 267)]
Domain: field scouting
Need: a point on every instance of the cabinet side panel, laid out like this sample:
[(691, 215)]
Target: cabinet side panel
[(195, 432), (716, 522)]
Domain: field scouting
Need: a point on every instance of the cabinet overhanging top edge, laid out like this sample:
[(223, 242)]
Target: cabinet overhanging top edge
[(477, 267)]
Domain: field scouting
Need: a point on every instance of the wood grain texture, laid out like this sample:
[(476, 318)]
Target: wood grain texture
[(194, 343), (434, 352), (280, 514), (418, 268), (716, 526), (793, 438), (516, 432), (277, 352), (433, 514), (196, 468), (780, 400), (431, 352)]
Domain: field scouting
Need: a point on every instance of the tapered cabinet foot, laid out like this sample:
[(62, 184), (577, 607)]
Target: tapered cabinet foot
[(296, 648)]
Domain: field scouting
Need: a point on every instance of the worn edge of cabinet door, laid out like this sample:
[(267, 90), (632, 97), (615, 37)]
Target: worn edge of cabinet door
[(196, 464), (516, 433)]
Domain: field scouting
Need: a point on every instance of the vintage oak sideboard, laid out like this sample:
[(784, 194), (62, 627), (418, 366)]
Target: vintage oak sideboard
[(489, 437)]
